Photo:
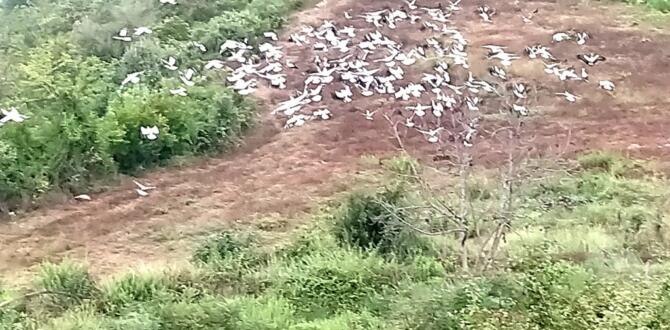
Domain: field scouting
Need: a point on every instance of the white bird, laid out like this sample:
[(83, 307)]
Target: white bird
[(494, 49), (141, 193), (150, 133), (411, 4), (232, 45), (419, 109), (585, 75), (438, 108), (397, 72), (486, 13), (168, 2), (290, 64), (271, 35), (498, 72), (238, 56), (296, 120), (568, 74), (143, 187), (528, 19), (187, 76), (591, 59), (519, 90), (505, 58), (181, 91), (539, 50), (582, 37), (123, 35), (472, 103), (369, 114), (344, 94), (561, 36), (276, 80), (453, 6), (132, 78), (433, 136), (142, 30), (200, 46), (170, 63), (214, 64), (245, 87), (323, 114), (347, 30), (606, 85), (568, 96), (520, 110), (11, 115), (83, 197), (298, 39)]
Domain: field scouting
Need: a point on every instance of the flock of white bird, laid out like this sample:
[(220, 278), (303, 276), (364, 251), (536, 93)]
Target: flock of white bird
[(355, 63), (368, 61)]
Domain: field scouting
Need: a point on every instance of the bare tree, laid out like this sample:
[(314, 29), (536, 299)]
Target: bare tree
[(456, 133)]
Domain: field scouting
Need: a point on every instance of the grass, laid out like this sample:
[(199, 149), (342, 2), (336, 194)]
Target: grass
[(587, 251), (660, 5)]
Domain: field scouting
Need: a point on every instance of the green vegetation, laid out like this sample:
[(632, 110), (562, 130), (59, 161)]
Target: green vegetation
[(660, 5), (60, 67), (588, 250)]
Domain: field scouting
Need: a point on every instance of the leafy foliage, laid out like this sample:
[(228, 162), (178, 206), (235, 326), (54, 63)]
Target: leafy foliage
[(66, 285), (61, 67), (368, 222)]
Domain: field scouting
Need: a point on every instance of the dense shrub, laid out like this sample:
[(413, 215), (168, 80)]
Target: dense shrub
[(221, 246), (68, 284), (367, 222), (209, 314), (65, 75), (133, 288), (329, 282)]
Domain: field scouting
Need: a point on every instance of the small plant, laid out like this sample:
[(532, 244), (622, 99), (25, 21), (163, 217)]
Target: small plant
[(205, 314), (65, 285), (403, 165), (86, 319), (221, 246), (603, 161), (135, 288), (330, 282)]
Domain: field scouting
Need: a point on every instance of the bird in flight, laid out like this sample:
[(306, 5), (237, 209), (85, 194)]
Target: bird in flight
[(149, 133)]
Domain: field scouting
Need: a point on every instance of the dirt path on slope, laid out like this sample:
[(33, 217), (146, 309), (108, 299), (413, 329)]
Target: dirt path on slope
[(281, 174)]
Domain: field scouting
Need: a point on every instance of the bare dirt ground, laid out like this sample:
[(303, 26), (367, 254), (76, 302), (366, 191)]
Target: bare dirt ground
[(279, 175)]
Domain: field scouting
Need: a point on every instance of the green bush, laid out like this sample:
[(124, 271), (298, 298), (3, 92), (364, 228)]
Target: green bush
[(85, 319), (660, 5), (136, 320), (134, 288), (221, 246), (367, 222), (602, 161), (66, 72), (207, 314), (264, 313), (66, 285), (329, 282), (349, 320), (206, 120)]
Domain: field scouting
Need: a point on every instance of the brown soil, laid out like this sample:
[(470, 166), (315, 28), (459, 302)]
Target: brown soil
[(281, 174)]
